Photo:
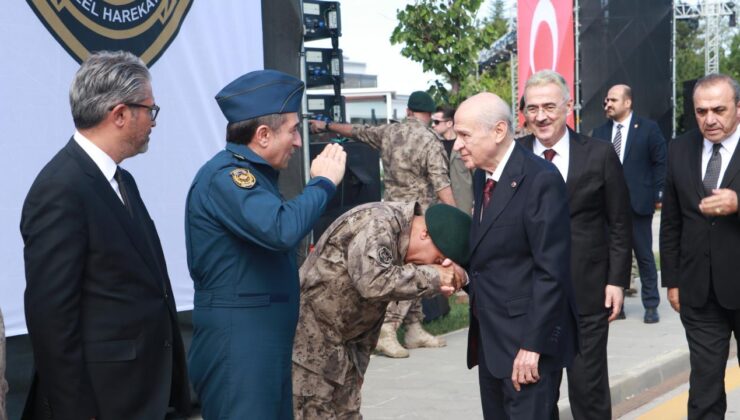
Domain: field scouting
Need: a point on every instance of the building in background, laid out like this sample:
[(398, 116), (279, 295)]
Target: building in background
[(366, 102)]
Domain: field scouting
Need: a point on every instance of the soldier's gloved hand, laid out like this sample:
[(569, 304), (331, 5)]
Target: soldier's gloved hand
[(446, 279), (330, 163)]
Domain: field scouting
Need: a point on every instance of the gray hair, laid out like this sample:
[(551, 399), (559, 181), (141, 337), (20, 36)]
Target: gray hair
[(546, 77), (493, 110), (106, 79), (714, 78)]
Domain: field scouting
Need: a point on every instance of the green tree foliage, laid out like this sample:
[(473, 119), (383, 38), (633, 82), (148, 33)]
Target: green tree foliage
[(729, 62), (445, 37), (690, 57), (689, 61)]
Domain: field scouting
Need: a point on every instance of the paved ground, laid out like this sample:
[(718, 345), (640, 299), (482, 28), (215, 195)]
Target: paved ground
[(672, 405), (435, 383)]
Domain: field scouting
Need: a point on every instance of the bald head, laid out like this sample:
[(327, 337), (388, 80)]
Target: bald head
[(623, 90), (487, 108), (484, 131)]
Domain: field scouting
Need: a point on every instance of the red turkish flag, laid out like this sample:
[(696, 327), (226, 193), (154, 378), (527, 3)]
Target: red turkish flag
[(545, 40)]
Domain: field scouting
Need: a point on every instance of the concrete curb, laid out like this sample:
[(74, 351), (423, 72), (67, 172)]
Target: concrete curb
[(647, 375)]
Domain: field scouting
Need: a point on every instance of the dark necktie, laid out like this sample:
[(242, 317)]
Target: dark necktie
[(487, 192), (122, 189), (711, 176), (618, 140), (549, 154)]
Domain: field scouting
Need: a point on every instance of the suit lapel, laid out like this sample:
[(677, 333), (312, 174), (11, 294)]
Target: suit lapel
[(577, 161), (631, 133), (505, 189), (696, 151), (732, 170), (105, 192)]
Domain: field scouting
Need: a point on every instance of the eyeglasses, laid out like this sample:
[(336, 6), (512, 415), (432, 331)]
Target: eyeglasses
[(548, 109), (153, 110), (435, 122)]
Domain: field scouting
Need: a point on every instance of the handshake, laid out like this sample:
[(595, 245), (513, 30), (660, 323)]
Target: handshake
[(452, 277)]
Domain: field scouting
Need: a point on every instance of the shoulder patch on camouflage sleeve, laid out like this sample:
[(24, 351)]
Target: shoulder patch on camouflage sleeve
[(243, 178), (385, 256)]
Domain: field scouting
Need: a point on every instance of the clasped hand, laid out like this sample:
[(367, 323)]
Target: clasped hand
[(452, 277)]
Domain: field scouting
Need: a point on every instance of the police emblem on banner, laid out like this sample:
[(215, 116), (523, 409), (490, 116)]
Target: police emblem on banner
[(143, 27)]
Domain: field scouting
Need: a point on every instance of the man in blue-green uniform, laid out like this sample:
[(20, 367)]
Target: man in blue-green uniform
[(242, 239)]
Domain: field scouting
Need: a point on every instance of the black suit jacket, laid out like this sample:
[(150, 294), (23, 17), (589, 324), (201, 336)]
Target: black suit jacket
[(600, 220), (644, 162), (520, 287), (98, 301), (697, 251)]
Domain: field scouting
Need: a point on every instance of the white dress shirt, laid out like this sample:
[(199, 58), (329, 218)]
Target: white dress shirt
[(726, 151), (104, 162), (562, 153), (496, 175), (625, 131)]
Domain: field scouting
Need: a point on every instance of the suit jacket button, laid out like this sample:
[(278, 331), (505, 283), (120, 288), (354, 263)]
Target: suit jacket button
[(167, 344)]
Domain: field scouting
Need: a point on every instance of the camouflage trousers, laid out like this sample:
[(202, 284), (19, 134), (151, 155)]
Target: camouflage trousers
[(404, 311), (317, 398)]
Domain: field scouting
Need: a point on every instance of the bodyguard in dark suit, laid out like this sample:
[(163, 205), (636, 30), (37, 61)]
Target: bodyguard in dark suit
[(700, 239), (600, 231), (98, 301), (642, 151), (523, 317)]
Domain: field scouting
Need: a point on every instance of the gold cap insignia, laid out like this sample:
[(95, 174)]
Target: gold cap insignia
[(243, 178)]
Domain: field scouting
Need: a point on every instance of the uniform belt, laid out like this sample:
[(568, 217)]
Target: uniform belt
[(204, 299)]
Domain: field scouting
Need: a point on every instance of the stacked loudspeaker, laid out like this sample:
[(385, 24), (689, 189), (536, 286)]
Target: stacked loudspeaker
[(325, 67)]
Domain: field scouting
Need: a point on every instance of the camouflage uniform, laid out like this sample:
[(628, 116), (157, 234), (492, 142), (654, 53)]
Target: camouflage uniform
[(356, 268), (415, 167)]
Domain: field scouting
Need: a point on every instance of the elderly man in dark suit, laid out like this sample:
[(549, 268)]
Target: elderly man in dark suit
[(600, 231), (700, 238), (98, 301), (642, 150), (523, 317)]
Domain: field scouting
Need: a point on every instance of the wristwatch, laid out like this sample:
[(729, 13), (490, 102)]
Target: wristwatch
[(326, 127)]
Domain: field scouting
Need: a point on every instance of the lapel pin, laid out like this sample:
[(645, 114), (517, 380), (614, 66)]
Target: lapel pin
[(513, 184), (636, 125)]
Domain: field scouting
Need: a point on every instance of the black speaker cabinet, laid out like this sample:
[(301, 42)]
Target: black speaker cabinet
[(361, 183)]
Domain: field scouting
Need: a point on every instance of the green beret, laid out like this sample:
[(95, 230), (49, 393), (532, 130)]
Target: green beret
[(449, 228), (420, 101)]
